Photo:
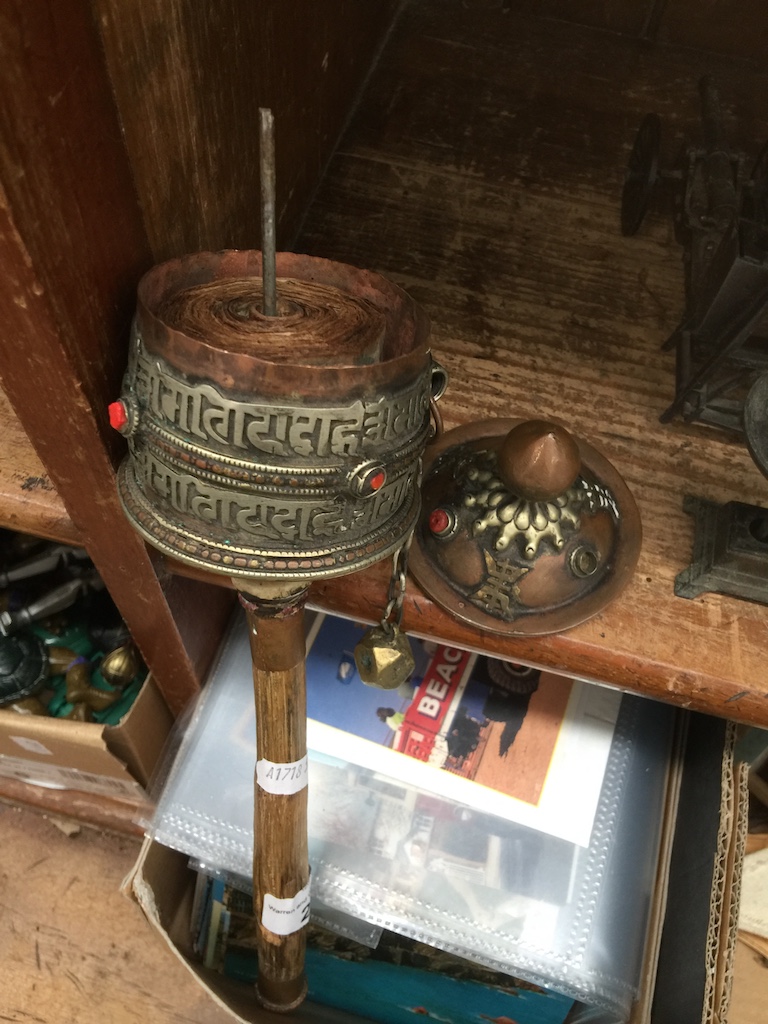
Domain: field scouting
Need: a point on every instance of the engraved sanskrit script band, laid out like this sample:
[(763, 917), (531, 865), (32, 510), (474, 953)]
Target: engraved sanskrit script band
[(284, 446)]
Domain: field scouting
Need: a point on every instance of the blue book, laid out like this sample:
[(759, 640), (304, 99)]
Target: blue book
[(396, 982)]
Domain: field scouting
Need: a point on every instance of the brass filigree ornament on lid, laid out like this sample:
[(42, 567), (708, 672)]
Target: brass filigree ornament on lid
[(524, 529)]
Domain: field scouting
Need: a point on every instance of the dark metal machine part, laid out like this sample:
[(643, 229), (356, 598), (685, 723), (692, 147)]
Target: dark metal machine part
[(642, 174), (756, 422), (23, 667), (524, 529), (730, 551), (721, 343)]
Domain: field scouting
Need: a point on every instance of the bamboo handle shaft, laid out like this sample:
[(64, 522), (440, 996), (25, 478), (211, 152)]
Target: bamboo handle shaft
[(281, 864)]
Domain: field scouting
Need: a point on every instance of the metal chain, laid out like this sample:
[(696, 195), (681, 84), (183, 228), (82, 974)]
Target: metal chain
[(393, 613)]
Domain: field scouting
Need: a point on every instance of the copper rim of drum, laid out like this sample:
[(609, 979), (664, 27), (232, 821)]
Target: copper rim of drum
[(534, 623), (405, 327)]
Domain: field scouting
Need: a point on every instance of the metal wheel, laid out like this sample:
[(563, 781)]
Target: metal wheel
[(642, 174), (756, 422), (756, 194)]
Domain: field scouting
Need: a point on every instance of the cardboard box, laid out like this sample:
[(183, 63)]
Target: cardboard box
[(111, 760), (697, 944), (163, 885), (703, 782)]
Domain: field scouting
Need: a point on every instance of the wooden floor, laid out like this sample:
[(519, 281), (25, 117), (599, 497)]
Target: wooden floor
[(73, 950)]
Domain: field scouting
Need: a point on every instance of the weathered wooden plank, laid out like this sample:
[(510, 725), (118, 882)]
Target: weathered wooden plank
[(189, 80), (629, 16), (719, 27), (484, 173), (30, 502), (74, 948)]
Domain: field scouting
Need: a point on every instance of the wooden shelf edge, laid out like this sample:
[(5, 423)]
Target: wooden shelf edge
[(29, 503), (38, 520), (579, 652), (576, 652)]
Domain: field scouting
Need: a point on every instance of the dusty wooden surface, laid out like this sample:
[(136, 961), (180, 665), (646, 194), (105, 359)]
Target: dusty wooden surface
[(189, 86), (483, 172), (73, 948), (30, 501)]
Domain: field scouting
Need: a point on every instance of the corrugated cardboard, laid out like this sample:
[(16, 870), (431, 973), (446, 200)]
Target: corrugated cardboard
[(725, 924), (114, 760), (695, 969), (641, 1011)]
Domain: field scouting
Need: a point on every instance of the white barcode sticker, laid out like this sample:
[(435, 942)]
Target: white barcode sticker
[(284, 917), (282, 779)]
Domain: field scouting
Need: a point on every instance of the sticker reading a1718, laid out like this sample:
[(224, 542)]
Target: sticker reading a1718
[(284, 917), (282, 779)]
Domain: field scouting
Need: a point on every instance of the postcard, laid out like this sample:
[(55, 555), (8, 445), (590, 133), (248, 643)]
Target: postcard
[(527, 746)]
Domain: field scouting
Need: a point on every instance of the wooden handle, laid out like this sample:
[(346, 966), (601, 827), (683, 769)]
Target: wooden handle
[(281, 862)]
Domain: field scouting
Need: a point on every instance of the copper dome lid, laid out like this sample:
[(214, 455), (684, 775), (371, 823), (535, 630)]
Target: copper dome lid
[(524, 529)]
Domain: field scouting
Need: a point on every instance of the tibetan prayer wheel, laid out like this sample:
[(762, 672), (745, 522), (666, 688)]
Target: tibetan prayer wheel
[(274, 450)]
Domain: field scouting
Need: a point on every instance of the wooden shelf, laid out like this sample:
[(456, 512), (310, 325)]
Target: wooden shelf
[(491, 193), (29, 502)]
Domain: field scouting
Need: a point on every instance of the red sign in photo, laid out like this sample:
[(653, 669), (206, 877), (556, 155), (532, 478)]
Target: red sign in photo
[(431, 703)]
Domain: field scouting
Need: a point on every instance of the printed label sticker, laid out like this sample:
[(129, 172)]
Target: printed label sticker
[(282, 779), (284, 917)]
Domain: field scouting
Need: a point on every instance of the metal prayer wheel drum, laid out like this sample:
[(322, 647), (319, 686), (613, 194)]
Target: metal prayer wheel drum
[(275, 447), (524, 528)]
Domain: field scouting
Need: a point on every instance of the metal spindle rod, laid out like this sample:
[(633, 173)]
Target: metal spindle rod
[(722, 200), (711, 116), (268, 245)]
